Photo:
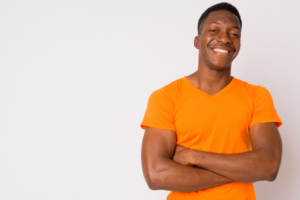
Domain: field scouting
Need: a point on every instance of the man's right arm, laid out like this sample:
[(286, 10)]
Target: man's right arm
[(162, 173)]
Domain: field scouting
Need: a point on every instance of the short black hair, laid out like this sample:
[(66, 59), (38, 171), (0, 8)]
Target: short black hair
[(219, 6)]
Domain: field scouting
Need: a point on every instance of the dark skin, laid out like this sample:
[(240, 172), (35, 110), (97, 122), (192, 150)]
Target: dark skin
[(161, 172), (170, 167)]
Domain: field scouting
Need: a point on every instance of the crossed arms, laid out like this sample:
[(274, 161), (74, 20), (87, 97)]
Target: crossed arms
[(168, 167)]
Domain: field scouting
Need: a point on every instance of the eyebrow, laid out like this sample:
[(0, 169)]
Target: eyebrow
[(232, 26), (236, 27)]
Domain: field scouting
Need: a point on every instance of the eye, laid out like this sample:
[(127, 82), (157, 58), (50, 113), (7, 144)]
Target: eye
[(213, 30), (235, 35)]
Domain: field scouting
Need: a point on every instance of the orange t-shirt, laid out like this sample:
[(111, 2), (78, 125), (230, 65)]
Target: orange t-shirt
[(216, 123)]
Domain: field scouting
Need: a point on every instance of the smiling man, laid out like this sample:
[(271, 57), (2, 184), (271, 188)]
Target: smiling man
[(209, 135)]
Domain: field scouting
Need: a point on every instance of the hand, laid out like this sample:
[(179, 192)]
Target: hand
[(182, 155)]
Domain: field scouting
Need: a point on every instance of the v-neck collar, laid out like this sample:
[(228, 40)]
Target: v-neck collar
[(227, 87)]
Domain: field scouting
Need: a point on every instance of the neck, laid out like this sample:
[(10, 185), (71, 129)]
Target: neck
[(210, 76), (210, 80)]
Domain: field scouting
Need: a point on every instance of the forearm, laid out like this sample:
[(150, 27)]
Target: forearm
[(169, 175), (242, 167)]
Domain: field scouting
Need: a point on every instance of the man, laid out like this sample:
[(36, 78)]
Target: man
[(209, 135)]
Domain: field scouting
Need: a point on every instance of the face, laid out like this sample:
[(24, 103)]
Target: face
[(219, 39)]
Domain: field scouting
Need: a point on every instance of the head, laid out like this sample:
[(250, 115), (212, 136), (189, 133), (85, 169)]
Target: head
[(219, 33)]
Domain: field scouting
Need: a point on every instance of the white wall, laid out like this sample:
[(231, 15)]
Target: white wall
[(75, 77)]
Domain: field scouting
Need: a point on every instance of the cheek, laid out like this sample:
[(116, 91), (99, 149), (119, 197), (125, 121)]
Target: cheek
[(237, 46), (205, 44), (237, 43)]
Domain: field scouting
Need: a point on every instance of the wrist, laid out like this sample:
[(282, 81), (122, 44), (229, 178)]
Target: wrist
[(197, 158), (192, 157)]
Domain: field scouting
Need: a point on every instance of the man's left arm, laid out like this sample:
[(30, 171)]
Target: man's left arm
[(262, 163)]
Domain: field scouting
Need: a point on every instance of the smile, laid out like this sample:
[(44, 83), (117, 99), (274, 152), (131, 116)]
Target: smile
[(221, 50)]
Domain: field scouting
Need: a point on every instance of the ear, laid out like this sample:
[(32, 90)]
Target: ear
[(197, 41)]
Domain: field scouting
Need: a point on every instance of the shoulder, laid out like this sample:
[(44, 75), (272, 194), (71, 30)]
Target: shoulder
[(254, 91), (168, 92)]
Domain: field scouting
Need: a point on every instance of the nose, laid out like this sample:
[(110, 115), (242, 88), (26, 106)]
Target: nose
[(223, 37)]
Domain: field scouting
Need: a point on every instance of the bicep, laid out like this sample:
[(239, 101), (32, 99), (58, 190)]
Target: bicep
[(157, 145), (266, 137)]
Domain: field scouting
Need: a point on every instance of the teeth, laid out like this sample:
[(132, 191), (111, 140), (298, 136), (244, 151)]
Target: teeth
[(220, 50)]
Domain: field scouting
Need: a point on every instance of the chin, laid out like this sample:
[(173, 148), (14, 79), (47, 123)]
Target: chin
[(220, 67)]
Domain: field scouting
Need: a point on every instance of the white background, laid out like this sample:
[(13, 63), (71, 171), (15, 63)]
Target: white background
[(75, 77)]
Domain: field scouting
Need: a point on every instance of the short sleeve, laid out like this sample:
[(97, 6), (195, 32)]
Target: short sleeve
[(159, 111), (263, 108)]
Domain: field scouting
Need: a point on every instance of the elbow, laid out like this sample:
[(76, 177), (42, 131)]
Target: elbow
[(272, 172), (153, 185), (154, 177), (272, 178), (156, 174), (272, 175), (153, 180)]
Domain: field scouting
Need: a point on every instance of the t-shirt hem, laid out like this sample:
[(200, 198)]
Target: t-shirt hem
[(278, 123), (143, 126)]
